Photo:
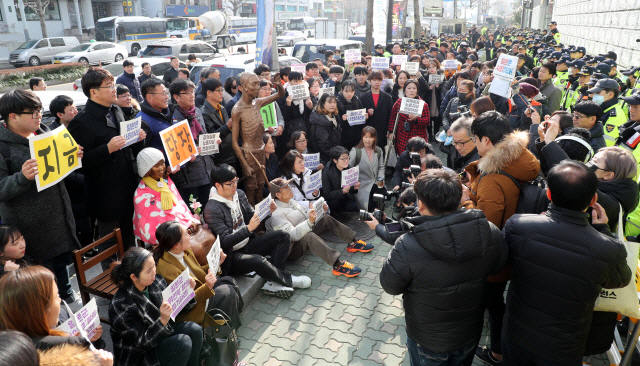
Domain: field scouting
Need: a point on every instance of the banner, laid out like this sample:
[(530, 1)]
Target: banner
[(412, 106), (263, 209), (299, 92), (130, 130), (178, 144), (266, 30), (411, 67), (356, 117), (351, 56), (178, 293), (380, 14), (311, 161), (56, 153), (379, 63), (269, 115), (329, 90), (350, 177), (313, 183), (213, 258), (399, 59), (208, 145)]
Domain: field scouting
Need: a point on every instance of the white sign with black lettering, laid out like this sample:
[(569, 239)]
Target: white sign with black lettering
[(350, 177), (411, 67), (208, 143), (318, 206), (357, 117), (436, 79), (263, 209), (299, 92), (329, 90), (412, 106), (379, 63), (399, 59)]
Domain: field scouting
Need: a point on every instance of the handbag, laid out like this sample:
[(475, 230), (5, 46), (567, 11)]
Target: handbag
[(622, 300), (221, 338), (201, 242)]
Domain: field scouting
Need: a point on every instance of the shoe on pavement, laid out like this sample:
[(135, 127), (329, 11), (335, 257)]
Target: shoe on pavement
[(484, 354), (346, 269), (359, 246), (277, 290), (300, 281)]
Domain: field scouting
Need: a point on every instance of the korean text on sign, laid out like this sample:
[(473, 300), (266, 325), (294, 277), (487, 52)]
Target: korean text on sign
[(263, 209), (411, 67), (329, 90), (357, 117), (318, 206), (208, 143), (412, 106), (178, 143), (299, 92), (213, 258), (311, 161), (351, 56), (57, 155), (313, 183), (399, 59), (350, 177), (379, 63), (178, 293), (130, 130)]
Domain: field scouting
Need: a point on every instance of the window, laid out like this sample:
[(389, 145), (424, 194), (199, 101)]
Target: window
[(205, 48), (302, 8), (107, 46), (279, 7), (157, 27), (183, 49), (42, 44), (291, 8), (193, 48), (57, 42), (52, 12)]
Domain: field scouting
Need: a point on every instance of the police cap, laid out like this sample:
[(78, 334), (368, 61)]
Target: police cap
[(633, 99), (586, 70), (603, 68), (604, 84)]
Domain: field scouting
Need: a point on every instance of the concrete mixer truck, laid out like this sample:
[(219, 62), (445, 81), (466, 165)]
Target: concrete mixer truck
[(211, 26)]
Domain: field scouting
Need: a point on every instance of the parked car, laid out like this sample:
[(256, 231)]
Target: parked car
[(234, 65), (37, 52), (46, 96), (307, 51), (181, 48), (158, 68), (288, 38), (92, 53)]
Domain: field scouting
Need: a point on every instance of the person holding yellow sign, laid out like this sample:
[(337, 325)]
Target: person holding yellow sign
[(39, 215)]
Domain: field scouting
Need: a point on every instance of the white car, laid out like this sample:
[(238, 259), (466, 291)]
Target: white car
[(158, 68), (233, 65), (46, 96), (92, 53), (288, 38)]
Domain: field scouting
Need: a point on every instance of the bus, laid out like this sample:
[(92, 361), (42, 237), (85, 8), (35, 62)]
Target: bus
[(243, 30), (307, 25), (133, 32)]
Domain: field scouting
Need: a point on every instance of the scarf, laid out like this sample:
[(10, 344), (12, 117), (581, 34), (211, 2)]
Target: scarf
[(190, 115), (167, 198)]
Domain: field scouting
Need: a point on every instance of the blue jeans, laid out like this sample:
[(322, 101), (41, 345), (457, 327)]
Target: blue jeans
[(420, 356)]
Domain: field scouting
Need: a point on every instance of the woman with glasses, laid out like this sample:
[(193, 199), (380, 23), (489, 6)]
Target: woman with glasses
[(130, 106), (292, 168)]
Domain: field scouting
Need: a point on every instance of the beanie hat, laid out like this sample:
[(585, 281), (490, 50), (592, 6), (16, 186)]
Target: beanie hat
[(528, 90), (147, 158)]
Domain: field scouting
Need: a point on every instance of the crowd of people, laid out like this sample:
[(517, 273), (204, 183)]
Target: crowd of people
[(562, 146)]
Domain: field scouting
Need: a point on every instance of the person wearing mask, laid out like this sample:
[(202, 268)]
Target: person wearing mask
[(216, 120), (126, 102), (348, 101), (550, 91), (325, 131), (587, 114), (141, 327), (378, 105), (314, 94), (451, 90), (605, 94), (409, 125), (465, 96), (145, 75), (566, 305), (431, 275), (340, 199), (172, 72), (232, 219), (370, 158), (464, 144), (129, 79)]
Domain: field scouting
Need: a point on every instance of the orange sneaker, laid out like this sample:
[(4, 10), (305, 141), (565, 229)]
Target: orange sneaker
[(359, 246), (346, 269)]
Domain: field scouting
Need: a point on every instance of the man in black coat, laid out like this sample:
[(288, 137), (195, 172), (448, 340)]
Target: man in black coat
[(217, 120), (560, 265), (110, 177), (172, 72), (440, 266), (378, 105), (415, 145)]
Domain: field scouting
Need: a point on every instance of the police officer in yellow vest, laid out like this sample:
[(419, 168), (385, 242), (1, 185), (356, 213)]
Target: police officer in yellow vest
[(630, 139), (605, 93), (562, 72), (554, 32)]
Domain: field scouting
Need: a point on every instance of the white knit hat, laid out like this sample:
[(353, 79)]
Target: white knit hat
[(147, 158)]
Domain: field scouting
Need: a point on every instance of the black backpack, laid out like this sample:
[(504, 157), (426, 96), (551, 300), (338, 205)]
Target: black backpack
[(533, 194)]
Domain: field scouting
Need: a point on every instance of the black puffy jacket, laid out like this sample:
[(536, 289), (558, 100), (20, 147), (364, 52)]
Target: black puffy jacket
[(559, 266), (323, 135), (440, 267)]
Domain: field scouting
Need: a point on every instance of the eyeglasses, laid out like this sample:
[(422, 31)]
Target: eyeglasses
[(126, 96), (232, 183), (219, 90), (461, 143), (578, 116), (346, 158), (111, 87), (192, 92), (234, 86), (166, 94), (301, 142), (34, 114)]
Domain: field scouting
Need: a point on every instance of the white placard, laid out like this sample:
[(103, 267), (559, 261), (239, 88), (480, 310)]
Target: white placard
[(313, 183), (506, 66), (329, 90), (450, 64), (357, 117), (412, 106), (399, 59), (263, 209), (207, 143), (318, 206), (411, 67), (213, 257), (350, 177), (85, 321), (311, 161), (299, 68), (178, 293), (436, 79), (299, 92), (130, 130), (352, 56), (379, 63), (501, 86)]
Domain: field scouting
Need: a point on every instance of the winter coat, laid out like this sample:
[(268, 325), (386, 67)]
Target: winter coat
[(68, 354), (440, 266), (297, 188), (332, 187), (110, 179), (404, 161), (553, 94), (153, 122), (381, 114), (351, 135), (194, 173), (451, 113), (551, 296), (448, 95), (170, 75), (232, 102), (143, 77), (426, 93), (461, 162), (597, 137), (290, 217), (371, 171), (294, 120), (213, 123), (362, 89), (131, 82), (323, 135), (418, 127)]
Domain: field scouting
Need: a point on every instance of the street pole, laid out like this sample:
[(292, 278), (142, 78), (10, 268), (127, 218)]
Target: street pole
[(79, 20), (455, 9), (24, 20), (522, 16)]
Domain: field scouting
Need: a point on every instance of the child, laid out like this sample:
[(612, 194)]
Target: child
[(348, 101), (12, 249)]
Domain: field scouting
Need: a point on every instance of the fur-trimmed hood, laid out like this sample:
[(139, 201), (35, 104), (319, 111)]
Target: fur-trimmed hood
[(68, 355), (512, 156)]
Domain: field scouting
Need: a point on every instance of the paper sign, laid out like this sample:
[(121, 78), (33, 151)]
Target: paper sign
[(350, 177), (412, 106), (298, 67), (299, 92), (352, 56), (500, 86), (86, 319), (311, 161), (356, 117), (263, 209), (207, 143), (399, 59), (178, 293), (269, 115), (213, 258), (314, 183), (178, 143), (436, 79), (130, 130), (318, 206), (329, 90), (411, 67), (57, 155), (450, 64), (379, 63), (506, 67)]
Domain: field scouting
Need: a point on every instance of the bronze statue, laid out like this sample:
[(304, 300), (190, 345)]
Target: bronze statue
[(247, 122)]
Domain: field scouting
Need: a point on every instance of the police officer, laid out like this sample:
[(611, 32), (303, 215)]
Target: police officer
[(554, 33), (578, 52), (578, 90), (605, 93), (614, 74), (562, 72), (379, 51)]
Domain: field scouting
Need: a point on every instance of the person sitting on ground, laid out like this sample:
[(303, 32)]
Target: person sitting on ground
[(340, 199), (294, 170), (231, 217), (12, 250), (304, 228), (141, 327)]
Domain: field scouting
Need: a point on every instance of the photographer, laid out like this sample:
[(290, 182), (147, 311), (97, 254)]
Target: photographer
[(434, 269), (415, 145)]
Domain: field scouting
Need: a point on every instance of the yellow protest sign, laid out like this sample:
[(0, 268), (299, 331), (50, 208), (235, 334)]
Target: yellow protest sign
[(178, 143), (57, 155)]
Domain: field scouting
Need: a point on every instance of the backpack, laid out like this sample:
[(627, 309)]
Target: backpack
[(533, 194), (359, 154)]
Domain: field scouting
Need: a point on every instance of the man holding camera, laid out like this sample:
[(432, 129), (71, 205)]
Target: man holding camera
[(464, 144), (417, 148), (440, 267)]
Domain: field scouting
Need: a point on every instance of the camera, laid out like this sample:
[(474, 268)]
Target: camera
[(464, 111), (412, 170), (405, 185), (415, 158), (377, 214)]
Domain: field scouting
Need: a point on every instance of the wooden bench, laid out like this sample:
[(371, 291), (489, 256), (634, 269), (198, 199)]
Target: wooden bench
[(101, 285)]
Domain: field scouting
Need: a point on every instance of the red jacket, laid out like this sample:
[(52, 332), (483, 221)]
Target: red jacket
[(418, 127)]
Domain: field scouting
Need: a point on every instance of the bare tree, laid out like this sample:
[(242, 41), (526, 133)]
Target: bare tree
[(234, 5), (368, 41), (39, 7), (417, 31)]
